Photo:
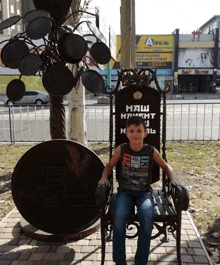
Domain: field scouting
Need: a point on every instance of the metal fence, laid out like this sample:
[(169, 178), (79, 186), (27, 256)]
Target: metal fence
[(185, 122)]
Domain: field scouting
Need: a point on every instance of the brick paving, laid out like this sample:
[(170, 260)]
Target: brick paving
[(19, 249)]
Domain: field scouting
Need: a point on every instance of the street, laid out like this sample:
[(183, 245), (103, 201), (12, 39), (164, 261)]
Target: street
[(185, 121)]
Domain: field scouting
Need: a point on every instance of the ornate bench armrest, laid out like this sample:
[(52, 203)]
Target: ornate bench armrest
[(180, 196), (101, 196)]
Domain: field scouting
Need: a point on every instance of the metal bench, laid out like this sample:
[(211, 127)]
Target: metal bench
[(139, 98)]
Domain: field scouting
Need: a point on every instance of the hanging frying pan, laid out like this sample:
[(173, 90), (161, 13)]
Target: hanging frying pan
[(96, 32), (15, 90), (62, 50), (33, 14), (30, 64), (58, 80), (58, 9), (9, 22), (13, 52), (39, 28), (100, 53), (93, 81)]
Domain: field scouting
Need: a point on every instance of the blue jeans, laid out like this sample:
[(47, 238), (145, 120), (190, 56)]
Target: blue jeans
[(122, 209)]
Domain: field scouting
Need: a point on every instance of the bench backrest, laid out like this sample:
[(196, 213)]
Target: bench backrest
[(140, 100)]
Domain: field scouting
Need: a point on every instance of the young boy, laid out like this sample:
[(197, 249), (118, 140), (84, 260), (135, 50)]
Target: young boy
[(134, 187)]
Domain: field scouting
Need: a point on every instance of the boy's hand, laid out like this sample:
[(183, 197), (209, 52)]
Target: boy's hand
[(104, 182), (172, 183)]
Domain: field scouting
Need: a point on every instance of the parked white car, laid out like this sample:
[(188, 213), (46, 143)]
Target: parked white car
[(31, 97)]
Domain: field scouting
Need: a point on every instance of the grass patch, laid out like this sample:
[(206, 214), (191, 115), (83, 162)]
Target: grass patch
[(196, 165), (9, 156), (31, 82), (193, 156)]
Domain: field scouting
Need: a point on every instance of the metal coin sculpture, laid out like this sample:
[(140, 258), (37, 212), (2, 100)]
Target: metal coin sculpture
[(30, 64), (58, 80), (39, 28), (58, 9), (70, 50), (15, 90), (75, 46), (53, 186), (96, 32), (9, 22), (93, 81), (100, 53), (61, 46), (13, 52)]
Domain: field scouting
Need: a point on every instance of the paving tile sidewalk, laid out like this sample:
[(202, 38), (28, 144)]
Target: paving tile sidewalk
[(19, 249)]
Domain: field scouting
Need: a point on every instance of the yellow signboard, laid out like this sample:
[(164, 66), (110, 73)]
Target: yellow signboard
[(159, 43), (150, 50), (152, 57)]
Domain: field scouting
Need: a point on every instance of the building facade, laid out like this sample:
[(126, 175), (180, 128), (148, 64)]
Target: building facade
[(196, 62), (210, 26), (188, 63)]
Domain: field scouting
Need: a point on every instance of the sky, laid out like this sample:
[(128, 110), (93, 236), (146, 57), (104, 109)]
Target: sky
[(160, 16)]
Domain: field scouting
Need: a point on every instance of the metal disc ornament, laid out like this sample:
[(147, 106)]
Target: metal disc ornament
[(74, 45), (58, 80), (13, 52), (63, 52), (39, 28), (93, 81), (15, 90), (9, 22), (58, 9), (96, 32), (53, 186), (33, 14), (30, 64), (100, 53)]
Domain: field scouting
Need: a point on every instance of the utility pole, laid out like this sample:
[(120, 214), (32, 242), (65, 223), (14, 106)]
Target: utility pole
[(77, 126), (128, 41)]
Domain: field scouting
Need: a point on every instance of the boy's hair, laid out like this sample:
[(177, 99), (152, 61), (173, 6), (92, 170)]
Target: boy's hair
[(136, 120)]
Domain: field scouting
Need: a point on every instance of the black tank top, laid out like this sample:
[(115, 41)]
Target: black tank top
[(136, 169)]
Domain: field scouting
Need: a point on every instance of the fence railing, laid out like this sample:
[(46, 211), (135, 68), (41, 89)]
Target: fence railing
[(185, 122)]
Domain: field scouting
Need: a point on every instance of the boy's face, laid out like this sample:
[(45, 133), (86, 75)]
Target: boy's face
[(136, 133)]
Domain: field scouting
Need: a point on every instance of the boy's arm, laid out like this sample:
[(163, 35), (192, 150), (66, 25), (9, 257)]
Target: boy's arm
[(166, 167), (108, 168)]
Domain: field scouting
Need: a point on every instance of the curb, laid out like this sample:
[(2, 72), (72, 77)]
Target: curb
[(200, 240)]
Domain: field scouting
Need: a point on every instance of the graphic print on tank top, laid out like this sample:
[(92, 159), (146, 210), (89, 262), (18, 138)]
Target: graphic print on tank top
[(135, 165)]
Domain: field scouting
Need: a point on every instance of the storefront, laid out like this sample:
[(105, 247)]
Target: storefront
[(195, 70), (195, 80)]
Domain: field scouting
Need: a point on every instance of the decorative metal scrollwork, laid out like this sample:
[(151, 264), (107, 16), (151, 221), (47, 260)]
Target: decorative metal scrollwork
[(131, 226), (162, 230), (144, 76)]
